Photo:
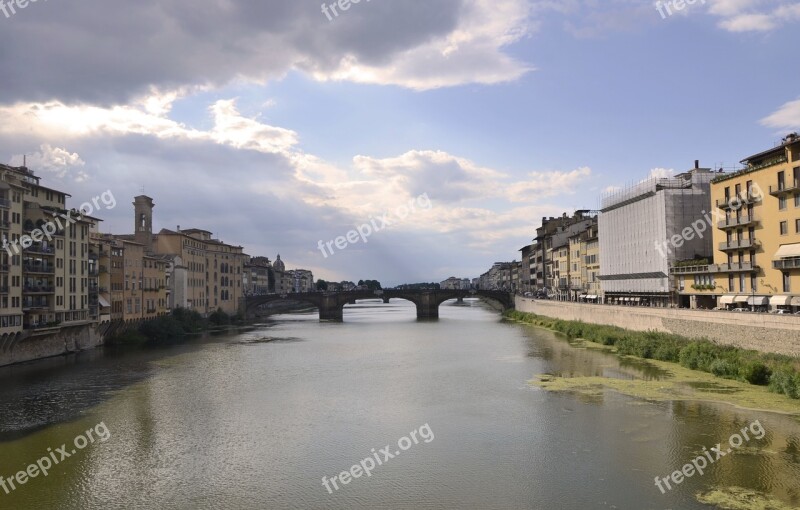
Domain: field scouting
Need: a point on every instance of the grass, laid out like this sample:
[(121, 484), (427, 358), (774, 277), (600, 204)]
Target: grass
[(780, 373)]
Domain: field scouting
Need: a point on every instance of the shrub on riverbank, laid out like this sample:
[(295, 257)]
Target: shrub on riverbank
[(780, 373), (162, 330)]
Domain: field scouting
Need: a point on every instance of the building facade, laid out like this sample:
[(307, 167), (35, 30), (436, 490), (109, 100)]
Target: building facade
[(756, 234), (640, 233)]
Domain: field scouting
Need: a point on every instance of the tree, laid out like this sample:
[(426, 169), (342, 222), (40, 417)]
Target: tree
[(322, 285)]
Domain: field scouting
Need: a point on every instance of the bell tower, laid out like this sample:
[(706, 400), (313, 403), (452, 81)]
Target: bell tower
[(143, 211)]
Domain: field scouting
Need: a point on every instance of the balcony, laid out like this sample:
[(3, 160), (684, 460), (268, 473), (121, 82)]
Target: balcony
[(783, 264), (4, 289), (698, 269), (736, 267), (737, 201), (5, 224), (103, 269), (38, 248), (35, 304), (151, 310), (783, 190), (4, 268), (38, 289), (5, 203), (742, 244), (737, 222), (39, 268)]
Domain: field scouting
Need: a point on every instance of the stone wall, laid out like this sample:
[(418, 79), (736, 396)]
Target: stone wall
[(759, 331), (30, 346)]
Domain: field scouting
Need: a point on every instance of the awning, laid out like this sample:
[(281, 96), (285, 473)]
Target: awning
[(796, 301), (103, 302), (780, 300), (636, 299), (592, 296), (741, 299), (757, 300), (583, 296), (727, 299), (787, 251)]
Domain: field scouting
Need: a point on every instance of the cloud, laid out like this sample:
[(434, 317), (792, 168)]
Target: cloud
[(787, 117), (661, 173), (547, 184), (56, 161), (110, 52), (753, 15)]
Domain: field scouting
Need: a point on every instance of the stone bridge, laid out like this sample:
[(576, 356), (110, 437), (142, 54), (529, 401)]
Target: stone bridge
[(331, 304)]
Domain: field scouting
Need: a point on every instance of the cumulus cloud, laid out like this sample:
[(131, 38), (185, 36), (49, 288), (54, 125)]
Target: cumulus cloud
[(54, 160), (110, 52)]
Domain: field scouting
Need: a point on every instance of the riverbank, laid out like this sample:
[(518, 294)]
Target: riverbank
[(695, 369), (764, 332)]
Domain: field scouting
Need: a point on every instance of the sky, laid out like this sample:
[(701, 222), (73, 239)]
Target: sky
[(445, 129)]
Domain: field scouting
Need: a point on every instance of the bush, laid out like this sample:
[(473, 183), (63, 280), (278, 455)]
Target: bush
[(785, 380), (130, 336), (219, 318), (756, 372), (189, 320), (162, 330)]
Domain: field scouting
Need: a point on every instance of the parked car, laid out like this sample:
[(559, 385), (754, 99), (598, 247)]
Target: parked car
[(741, 310), (783, 311)]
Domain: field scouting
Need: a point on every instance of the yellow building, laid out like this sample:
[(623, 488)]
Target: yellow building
[(756, 233), (44, 266)]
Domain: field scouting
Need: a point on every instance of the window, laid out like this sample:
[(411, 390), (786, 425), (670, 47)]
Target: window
[(782, 203), (730, 283), (784, 228), (797, 226), (787, 287), (742, 282), (781, 180), (754, 283)]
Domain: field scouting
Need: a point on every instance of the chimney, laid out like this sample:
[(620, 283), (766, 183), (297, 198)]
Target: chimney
[(696, 164)]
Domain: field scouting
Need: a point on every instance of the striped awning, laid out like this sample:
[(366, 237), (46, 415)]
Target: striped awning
[(727, 299)]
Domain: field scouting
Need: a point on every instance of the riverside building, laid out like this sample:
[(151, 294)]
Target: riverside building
[(756, 250), (641, 236)]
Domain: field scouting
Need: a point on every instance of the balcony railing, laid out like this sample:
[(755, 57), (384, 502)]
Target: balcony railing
[(38, 289), (4, 289), (736, 267), (783, 189), (738, 200), (792, 263), (742, 244), (4, 267), (690, 269), (737, 222), (37, 248), (151, 310), (30, 268), (4, 202), (36, 304)]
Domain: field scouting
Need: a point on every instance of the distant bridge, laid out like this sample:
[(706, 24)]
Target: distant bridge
[(331, 304)]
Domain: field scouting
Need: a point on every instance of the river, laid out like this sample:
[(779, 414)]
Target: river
[(256, 419)]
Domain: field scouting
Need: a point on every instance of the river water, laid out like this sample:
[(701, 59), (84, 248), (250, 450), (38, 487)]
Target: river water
[(256, 419)]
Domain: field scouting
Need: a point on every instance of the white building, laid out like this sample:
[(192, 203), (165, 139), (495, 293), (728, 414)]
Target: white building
[(638, 228)]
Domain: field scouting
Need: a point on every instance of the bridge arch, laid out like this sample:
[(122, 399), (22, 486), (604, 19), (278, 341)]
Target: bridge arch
[(331, 304)]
